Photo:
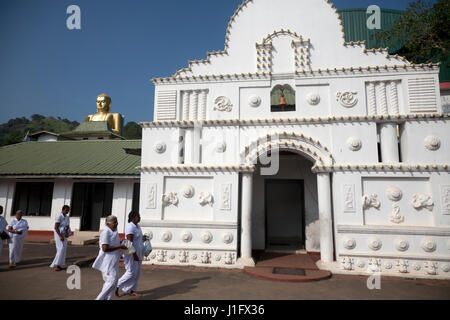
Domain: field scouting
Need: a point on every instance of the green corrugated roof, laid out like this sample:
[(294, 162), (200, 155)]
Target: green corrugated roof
[(355, 25), (92, 128), (355, 29), (88, 157)]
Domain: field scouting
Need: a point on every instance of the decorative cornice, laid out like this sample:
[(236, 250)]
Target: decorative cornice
[(397, 256), (379, 167), (400, 118), (419, 231), (336, 71), (184, 224), (196, 169)]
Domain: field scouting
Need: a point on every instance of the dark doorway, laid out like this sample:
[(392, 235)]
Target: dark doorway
[(284, 203), (91, 202)]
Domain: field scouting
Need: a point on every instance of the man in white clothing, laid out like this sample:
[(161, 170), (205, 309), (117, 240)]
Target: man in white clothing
[(108, 258), (61, 233), (18, 230), (3, 231), (128, 282)]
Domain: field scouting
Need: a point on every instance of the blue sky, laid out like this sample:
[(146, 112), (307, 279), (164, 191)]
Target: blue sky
[(50, 70)]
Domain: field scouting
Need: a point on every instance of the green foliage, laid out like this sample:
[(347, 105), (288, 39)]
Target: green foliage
[(422, 31), (132, 131), (15, 130)]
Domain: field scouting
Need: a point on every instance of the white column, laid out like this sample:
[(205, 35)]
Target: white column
[(202, 113), (389, 142), (371, 98), (325, 218), (193, 108), (382, 98), (189, 146), (394, 98), (185, 105), (246, 220)]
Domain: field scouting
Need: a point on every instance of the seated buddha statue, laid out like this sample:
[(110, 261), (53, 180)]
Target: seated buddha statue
[(114, 120)]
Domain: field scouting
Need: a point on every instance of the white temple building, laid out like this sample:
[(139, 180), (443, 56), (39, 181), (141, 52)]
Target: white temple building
[(293, 138)]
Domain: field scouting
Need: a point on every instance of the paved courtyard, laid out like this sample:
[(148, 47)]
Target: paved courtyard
[(33, 279)]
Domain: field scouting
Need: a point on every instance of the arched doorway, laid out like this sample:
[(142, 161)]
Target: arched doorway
[(285, 205), (314, 155)]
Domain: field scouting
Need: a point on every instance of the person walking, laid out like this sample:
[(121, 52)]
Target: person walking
[(61, 233), (3, 230), (108, 258), (18, 230), (133, 233)]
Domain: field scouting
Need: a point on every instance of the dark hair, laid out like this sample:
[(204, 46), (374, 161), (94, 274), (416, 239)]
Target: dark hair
[(1, 208), (132, 215), (65, 207)]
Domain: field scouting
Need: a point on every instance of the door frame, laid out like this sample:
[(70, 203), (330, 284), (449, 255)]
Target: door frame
[(301, 182)]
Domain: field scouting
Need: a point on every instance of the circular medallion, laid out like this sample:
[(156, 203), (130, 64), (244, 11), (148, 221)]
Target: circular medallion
[(188, 191), (227, 238), (166, 236), (221, 147), (428, 245), (354, 143), (349, 243), (207, 237), (254, 101), (394, 193), (313, 98), (186, 236), (401, 244), (432, 143), (374, 243), (160, 147)]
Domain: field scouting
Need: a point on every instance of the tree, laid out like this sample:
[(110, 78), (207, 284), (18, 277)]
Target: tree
[(422, 32), (132, 131), (14, 130)]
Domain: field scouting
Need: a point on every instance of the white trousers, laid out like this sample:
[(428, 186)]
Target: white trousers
[(15, 249), (61, 249), (109, 287), (128, 282)]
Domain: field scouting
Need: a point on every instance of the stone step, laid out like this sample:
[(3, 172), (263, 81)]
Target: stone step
[(267, 274)]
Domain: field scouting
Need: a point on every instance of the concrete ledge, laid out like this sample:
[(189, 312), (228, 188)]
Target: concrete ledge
[(335, 268)]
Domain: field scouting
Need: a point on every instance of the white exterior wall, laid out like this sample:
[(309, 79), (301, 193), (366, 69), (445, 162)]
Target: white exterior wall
[(347, 99), (62, 195)]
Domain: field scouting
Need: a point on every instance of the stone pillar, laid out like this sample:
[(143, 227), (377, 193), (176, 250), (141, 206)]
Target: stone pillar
[(389, 142), (246, 220), (325, 217)]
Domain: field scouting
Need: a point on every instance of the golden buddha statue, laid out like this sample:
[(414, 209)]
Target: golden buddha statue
[(114, 120)]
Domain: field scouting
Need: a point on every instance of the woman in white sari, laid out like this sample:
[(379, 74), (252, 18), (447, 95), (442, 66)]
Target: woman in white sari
[(108, 258), (3, 231), (61, 233), (18, 230), (128, 282)]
